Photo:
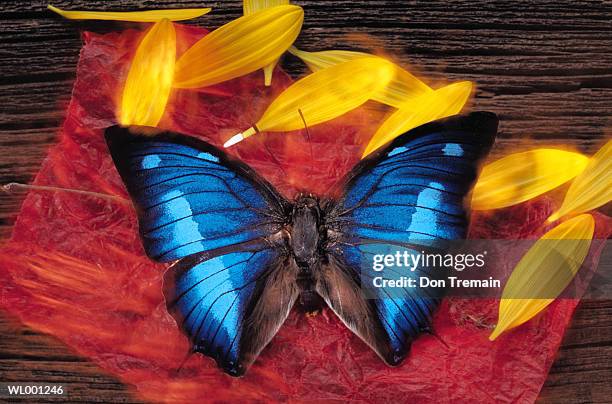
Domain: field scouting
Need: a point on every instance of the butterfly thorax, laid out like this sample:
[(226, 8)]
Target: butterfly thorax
[(304, 230)]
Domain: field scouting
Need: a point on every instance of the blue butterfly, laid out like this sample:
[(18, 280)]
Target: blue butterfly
[(243, 254)]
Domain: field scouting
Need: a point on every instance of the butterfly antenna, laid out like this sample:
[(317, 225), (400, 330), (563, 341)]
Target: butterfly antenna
[(309, 141), (274, 159), (264, 142)]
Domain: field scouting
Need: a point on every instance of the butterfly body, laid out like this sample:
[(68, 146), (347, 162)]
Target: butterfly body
[(243, 255), (307, 232), (302, 243)]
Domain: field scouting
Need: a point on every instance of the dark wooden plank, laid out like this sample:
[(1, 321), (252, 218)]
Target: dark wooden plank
[(28, 356), (582, 372), (543, 66)]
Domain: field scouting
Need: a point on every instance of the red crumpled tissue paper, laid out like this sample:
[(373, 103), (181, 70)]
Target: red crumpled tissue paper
[(75, 267)]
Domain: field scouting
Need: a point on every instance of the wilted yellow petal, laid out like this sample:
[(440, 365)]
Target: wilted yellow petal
[(427, 107), (522, 176), (239, 47), (544, 272), (149, 80), (252, 6), (135, 16), (323, 95), (401, 89), (592, 188)]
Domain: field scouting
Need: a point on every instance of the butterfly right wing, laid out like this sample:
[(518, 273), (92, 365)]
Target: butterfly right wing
[(407, 196)]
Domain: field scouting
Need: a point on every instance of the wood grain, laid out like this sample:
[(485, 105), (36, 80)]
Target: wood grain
[(544, 66), (28, 356)]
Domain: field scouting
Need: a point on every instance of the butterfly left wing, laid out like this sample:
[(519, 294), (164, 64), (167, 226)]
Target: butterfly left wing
[(232, 286), (408, 196), (192, 197), (232, 303)]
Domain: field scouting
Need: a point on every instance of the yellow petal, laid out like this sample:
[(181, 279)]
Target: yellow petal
[(419, 110), (149, 80), (252, 6), (592, 188), (402, 88), (240, 47), (323, 95), (320, 60), (544, 272), (268, 71), (522, 176), (135, 16)]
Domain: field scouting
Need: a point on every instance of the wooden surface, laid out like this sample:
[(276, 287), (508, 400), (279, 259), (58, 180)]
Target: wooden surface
[(544, 66)]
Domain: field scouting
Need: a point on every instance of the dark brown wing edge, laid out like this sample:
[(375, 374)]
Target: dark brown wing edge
[(341, 291)]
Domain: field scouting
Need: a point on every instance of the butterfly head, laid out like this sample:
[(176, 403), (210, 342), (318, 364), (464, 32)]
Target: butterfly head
[(306, 200)]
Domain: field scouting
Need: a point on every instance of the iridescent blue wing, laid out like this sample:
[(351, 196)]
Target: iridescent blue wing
[(192, 197), (231, 304), (231, 288), (407, 196)]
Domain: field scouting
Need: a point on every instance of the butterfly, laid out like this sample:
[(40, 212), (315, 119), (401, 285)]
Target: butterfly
[(243, 254)]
